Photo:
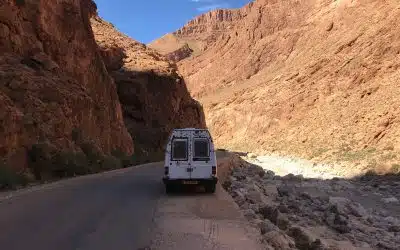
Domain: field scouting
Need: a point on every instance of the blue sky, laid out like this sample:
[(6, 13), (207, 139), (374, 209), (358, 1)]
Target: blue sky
[(146, 20)]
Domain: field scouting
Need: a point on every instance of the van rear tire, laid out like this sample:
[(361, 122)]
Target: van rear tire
[(210, 188)]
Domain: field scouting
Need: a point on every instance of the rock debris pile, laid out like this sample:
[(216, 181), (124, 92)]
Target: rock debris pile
[(293, 212)]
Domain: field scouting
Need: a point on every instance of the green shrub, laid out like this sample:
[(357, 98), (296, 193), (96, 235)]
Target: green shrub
[(371, 172), (126, 160), (69, 164), (76, 135), (92, 153), (47, 162), (20, 2), (39, 159), (129, 161), (10, 179), (110, 163)]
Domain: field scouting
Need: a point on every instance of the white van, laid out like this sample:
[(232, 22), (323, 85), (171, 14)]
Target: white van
[(190, 160)]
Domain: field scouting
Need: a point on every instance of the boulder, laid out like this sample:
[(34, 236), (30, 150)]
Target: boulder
[(249, 214), (251, 155), (301, 236), (390, 200), (267, 226), (339, 204), (279, 240)]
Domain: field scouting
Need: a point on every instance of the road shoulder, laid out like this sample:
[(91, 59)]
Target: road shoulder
[(202, 221)]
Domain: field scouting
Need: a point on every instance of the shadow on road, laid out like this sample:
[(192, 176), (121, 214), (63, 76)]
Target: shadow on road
[(195, 190)]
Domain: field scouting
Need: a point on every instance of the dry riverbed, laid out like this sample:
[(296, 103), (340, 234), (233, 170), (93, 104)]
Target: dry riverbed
[(296, 205)]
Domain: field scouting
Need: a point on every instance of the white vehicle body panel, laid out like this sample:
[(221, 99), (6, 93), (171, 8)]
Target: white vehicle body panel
[(200, 155)]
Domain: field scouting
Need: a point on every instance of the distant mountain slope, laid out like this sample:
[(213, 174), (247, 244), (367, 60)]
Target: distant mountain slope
[(200, 32), (307, 77)]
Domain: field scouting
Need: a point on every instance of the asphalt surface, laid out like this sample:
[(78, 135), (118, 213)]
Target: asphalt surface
[(123, 209)]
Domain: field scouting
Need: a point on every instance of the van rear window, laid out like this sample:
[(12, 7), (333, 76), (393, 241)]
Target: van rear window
[(179, 150), (201, 149)]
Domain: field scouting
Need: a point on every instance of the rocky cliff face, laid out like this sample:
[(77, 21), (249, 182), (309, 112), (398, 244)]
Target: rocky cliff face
[(305, 77), (53, 80), (212, 23), (180, 54), (153, 95), (200, 32)]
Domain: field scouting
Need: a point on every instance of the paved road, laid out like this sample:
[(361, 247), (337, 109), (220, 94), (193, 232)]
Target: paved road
[(123, 209)]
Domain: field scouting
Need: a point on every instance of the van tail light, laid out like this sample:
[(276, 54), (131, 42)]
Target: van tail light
[(214, 170), (166, 171)]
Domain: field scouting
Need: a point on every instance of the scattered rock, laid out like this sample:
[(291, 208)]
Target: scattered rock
[(284, 190), (283, 208), (357, 210), (390, 200), (269, 174), (249, 214), (267, 226), (269, 212), (239, 197), (306, 195), (323, 218), (239, 175), (394, 228), (251, 155), (301, 237), (282, 221), (338, 222), (340, 203), (386, 245), (278, 240), (288, 177), (255, 171), (255, 195), (317, 245)]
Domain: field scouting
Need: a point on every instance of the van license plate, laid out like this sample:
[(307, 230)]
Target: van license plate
[(190, 182)]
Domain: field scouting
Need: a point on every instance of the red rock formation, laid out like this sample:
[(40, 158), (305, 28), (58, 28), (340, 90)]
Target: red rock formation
[(212, 22), (153, 95), (305, 77), (200, 32), (184, 52), (53, 80)]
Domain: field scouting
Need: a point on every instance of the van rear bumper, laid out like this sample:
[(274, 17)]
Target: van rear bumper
[(167, 180)]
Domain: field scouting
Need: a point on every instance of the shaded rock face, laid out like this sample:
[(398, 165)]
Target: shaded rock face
[(53, 80), (302, 77), (180, 53), (153, 95)]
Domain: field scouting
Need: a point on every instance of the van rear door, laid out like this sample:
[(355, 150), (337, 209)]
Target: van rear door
[(201, 157), (180, 162)]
